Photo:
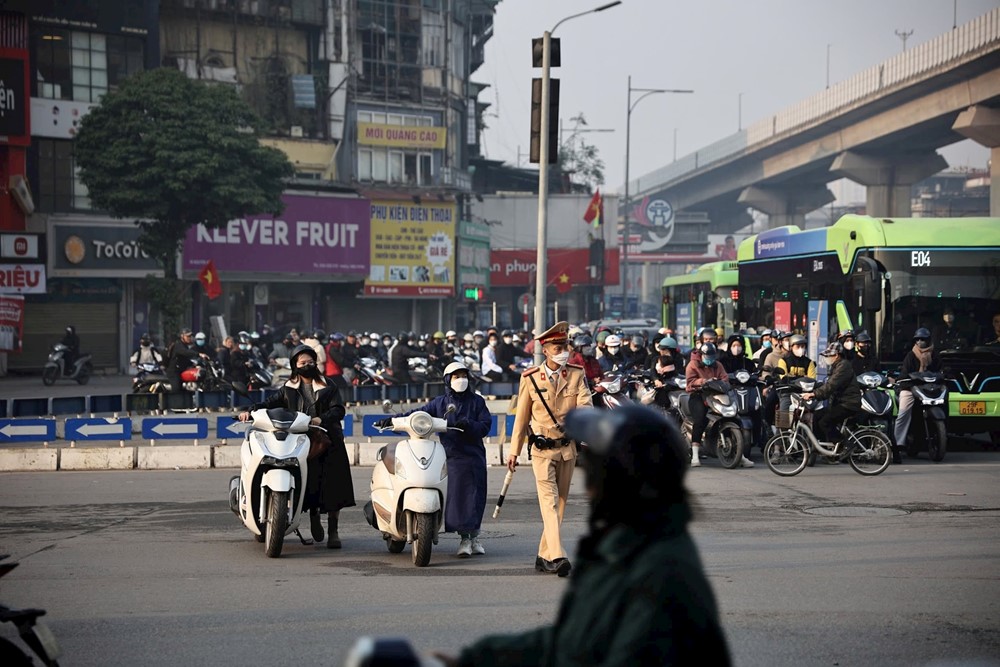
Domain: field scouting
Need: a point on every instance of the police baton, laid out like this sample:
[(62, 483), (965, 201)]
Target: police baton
[(503, 493)]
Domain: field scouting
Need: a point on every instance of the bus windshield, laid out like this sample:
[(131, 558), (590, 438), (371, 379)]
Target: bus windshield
[(966, 288)]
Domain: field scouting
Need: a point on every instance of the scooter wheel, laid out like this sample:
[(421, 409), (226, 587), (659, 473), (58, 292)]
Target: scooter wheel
[(50, 375)]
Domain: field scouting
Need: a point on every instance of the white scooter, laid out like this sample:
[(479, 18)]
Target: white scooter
[(409, 486), (267, 495)]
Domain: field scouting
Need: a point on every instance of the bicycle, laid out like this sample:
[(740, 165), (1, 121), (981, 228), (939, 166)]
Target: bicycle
[(866, 449)]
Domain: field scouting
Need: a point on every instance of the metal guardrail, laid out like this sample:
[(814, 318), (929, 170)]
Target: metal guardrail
[(972, 40), (137, 404)]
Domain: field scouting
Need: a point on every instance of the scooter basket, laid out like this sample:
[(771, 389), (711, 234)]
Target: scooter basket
[(783, 418)]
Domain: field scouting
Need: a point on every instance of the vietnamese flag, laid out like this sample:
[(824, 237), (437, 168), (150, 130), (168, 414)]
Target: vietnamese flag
[(209, 278), (562, 282), (595, 210)]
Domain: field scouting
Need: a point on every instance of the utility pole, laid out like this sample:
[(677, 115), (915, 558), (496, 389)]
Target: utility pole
[(675, 144), (739, 112), (904, 35), (954, 15), (828, 65)]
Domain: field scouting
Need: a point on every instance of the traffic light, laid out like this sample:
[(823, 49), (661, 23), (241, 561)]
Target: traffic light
[(536, 121), (555, 55), (474, 293)]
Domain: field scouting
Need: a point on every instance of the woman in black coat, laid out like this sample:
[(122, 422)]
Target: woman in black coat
[(328, 485)]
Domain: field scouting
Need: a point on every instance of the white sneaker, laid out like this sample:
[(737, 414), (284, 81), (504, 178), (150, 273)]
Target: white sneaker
[(695, 462), (465, 548), (746, 463), (477, 547)]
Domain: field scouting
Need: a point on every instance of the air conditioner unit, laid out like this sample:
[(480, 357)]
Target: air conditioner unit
[(21, 193), (295, 131)]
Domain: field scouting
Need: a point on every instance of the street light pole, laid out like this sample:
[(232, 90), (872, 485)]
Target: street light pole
[(828, 65), (541, 278), (630, 106)]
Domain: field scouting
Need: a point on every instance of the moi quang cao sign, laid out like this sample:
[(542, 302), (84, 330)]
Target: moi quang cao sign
[(313, 235), (412, 250), (425, 137)]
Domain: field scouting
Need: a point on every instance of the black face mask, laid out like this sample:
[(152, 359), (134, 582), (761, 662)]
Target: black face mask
[(309, 371), (665, 359)]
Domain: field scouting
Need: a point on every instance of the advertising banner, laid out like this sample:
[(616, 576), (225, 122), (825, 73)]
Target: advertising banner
[(15, 120), (11, 323), (783, 315), (421, 137), (412, 249), (22, 279), (516, 268), (313, 235)]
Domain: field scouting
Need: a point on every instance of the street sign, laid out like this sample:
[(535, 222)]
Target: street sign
[(167, 428), (99, 429), (227, 427), (27, 430), (526, 303)]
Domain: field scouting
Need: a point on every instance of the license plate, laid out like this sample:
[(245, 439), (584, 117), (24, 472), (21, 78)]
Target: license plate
[(972, 407)]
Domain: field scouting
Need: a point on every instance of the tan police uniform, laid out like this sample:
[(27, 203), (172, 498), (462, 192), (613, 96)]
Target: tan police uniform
[(564, 389)]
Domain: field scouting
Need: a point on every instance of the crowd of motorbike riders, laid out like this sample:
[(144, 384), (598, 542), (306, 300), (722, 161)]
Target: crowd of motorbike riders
[(642, 359)]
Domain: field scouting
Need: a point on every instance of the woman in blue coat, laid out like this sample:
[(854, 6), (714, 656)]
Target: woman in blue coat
[(463, 512)]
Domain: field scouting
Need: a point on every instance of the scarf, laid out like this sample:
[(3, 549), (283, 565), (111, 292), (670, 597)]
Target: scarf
[(923, 356)]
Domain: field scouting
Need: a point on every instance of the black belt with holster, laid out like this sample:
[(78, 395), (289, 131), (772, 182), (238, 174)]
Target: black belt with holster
[(543, 443)]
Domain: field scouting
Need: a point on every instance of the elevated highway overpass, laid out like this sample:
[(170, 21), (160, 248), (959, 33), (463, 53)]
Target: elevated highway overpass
[(880, 128)]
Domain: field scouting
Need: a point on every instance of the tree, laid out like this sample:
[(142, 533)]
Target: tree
[(170, 153), (579, 159)]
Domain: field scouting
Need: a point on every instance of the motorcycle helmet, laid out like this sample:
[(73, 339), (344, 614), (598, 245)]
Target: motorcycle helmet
[(71, 330), (337, 336), (846, 333), (319, 335), (798, 339), (199, 339), (635, 462), (468, 338), (583, 343), (602, 336), (144, 339), (452, 367), (254, 337), (478, 334), (638, 340), (403, 336), (300, 350), (709, 353), (613, 342), (667, 343), (863, 337), (437, 335), (922, 337)]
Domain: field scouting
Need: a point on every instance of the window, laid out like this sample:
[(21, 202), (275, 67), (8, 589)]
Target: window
[(59, 186), (82, 66), (393, 165)]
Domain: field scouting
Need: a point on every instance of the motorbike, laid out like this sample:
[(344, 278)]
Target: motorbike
[(268, 493), (611, 391), (387, 652), (930, 414), (876, 401), (33, 632), (370, 370), (723, 436), (202, 375), (409, 486), (147, 375), (56, 368), (281, 371), (260, 376), (749, 403)]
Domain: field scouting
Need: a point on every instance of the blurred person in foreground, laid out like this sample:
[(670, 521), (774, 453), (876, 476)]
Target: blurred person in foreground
[(639, 594)]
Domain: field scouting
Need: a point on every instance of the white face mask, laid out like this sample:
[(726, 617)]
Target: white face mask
[(507, 340), (459, 384), (560, 358), (785, 344), (799, 351), (736, 350), (493, 342), (848, 345), (612, 350)]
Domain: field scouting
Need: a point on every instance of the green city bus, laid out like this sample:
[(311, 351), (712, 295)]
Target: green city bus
[(702, 297), (888, 277)]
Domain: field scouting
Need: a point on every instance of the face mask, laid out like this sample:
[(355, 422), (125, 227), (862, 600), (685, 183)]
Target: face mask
[(767, 343), (948, 319), (736, 351), (309, 371), (467, 344), (561, 358), (200, 343), (825, 361), (848, 345), (386, 342), (422, 343), (459, 384), (785, 344), (612, 350), (799, 352), (708, 360), (863, 348), (507, 339), (665, 359), (365, 341), (923, 344), (493, 342)]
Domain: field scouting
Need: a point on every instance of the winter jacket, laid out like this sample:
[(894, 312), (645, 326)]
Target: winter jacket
[(840, 387), (635, 598), (740, 363), (911, 363), (797, 367), (697, 374), (591, 366)]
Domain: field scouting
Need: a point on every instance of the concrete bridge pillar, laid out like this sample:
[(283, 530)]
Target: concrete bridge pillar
[(982, 125), (785, 205), (887, 179)]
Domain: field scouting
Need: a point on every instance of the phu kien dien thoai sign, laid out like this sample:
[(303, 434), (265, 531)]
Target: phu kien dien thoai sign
[(424, 137)]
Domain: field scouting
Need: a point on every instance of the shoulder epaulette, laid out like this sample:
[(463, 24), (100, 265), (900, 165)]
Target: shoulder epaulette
[(575, 366), (531, 370)]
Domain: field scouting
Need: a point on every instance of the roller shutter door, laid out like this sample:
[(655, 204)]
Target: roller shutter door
[(45, 324)]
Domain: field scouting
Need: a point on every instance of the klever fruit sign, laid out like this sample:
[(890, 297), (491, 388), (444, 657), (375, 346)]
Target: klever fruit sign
[(412, 249)]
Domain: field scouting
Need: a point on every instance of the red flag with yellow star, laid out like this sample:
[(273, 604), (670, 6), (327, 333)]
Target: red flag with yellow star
[(595, 210), (209, 278)]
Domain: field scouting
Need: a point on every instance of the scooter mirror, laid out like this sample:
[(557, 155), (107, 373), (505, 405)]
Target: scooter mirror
[(241, 389), (387, 406)]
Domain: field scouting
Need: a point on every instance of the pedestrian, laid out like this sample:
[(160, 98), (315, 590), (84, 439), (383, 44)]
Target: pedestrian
[(640, 595), (329, 488), (466, 452), (545, 396)]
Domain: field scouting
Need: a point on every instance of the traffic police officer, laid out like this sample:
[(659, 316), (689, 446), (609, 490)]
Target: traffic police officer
[(545, 395)]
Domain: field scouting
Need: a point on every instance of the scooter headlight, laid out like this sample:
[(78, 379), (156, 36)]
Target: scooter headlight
[(614, 386), (742, 377), (422, 424)]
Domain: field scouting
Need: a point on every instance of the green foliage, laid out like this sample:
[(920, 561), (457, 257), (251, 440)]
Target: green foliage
[(579, 159), (169, 153)]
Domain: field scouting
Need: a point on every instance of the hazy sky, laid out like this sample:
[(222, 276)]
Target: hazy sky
[(773, 51)]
